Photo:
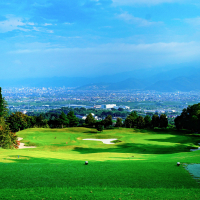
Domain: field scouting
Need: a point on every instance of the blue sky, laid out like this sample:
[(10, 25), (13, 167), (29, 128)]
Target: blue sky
[(46, 38)]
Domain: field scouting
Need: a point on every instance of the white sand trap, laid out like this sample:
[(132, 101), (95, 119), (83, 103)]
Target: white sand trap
[(21, 146), (195, 149), (105, 141)]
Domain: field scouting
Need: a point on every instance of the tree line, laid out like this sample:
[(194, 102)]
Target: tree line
[(120, 112), (19, 121), (133, 120)]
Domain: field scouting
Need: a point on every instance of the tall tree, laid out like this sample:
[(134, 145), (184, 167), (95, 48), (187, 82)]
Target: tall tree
[(155, 121), (131, 120), (147, 120), (90, 120), (108, 121), (1, 104), (118, 122), (73, 120), (140, 122), (63, 120), (163, 121), (8, 140)]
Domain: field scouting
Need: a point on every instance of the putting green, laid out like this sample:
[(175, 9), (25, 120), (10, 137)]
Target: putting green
[(68, 144)]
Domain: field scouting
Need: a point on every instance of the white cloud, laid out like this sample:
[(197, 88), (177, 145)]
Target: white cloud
[(136, 20), (177, 51), (11, 24), (14, 23), (31, 23), (91, 60), (36, 29), (67, 23), (50, 31), (47, 24), (193, 21)]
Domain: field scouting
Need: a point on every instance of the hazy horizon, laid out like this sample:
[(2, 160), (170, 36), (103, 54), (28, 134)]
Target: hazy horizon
[(91, 38)]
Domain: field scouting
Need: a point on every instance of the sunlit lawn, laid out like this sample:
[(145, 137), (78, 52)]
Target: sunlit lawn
[(141, 166)]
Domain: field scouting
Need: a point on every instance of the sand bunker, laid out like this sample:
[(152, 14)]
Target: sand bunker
[(105, 141), (195, 149), (21, 146)]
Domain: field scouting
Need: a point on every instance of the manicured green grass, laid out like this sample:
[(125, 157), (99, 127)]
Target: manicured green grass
[(141, 166)]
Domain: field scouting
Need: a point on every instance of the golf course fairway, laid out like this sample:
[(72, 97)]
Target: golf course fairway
[(140, 164)]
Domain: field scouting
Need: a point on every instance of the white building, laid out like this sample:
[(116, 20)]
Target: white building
[(108, 106)]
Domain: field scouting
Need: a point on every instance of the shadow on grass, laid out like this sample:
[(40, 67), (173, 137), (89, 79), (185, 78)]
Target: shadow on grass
[(91, 131), (137, 148), (181, 139), (165, 131)]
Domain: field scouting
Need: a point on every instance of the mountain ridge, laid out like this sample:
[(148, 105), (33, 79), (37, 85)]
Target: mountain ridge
[(184, 80)]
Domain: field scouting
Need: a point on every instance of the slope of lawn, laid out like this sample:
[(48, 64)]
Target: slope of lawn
[(141, 165)]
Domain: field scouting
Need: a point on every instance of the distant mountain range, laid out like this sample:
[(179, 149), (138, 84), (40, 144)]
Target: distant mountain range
[(182, 79)]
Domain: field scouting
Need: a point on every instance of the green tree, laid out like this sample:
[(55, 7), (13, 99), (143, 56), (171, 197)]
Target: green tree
[(108, 121), (119, 122), (90, 121), (1, 105), (73, 120), (163, 121), (17, 121), (155, 121), (131, 120), (140, 122), (8, 140), (147, 121), (100, 128), (178, 122), (63, 120), (189, 118)]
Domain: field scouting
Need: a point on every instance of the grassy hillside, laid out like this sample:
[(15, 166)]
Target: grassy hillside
[(141, 166)]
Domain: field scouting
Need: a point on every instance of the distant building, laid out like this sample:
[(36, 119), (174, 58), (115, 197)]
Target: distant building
[(108, 106)]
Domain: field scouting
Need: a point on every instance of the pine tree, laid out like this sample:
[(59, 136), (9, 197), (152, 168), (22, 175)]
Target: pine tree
[(63, 120), (73, 120), (163, 121), (119, 122)]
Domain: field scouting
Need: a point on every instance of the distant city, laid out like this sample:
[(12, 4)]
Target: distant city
[(27, 99)]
